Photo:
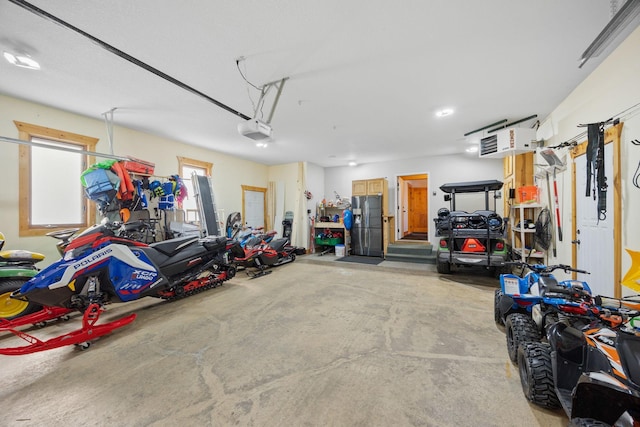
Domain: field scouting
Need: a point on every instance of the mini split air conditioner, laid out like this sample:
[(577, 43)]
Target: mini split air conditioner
[(254, 129), (508, 141)]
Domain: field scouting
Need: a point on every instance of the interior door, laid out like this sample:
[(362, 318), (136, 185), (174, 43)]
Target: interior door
[(412, 197), (254, 206), (595, 250), (417, 209)]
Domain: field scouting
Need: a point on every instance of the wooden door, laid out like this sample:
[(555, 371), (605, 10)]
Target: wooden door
[(418, 209)]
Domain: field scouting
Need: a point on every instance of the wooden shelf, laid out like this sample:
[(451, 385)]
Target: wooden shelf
[(525, 253), (328, 225)]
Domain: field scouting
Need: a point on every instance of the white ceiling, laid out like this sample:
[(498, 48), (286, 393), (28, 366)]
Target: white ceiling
[(365, 76)]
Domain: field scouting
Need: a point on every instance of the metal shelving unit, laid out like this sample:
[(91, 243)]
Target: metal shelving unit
[(521, 237)]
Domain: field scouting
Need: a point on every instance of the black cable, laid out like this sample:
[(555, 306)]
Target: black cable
[(43, 14), (243, 76), (636, 177)]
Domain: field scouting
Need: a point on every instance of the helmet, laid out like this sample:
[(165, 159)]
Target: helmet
[(443, 212)]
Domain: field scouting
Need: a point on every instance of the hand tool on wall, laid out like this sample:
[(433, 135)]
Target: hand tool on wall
[(557, 205), (553, 240)]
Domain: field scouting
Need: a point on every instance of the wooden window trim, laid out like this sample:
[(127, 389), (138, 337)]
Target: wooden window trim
[(185, 161), (27, 131)]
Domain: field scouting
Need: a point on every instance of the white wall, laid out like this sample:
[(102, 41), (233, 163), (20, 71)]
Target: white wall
[(228, 175), (315, 184), (610, 89), (441, 170)]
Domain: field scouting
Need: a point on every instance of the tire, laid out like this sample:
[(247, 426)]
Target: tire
[(497, 314), (12, 308), (519, 328), (536, 374), (587, 422), (443, 267)]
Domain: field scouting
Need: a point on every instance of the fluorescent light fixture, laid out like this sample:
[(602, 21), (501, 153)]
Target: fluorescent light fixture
[(444, 112), (352, 163), (472, 149), (627, 13), (22, 61)]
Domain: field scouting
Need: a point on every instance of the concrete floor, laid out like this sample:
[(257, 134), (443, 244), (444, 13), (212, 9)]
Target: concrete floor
[(316, 342)]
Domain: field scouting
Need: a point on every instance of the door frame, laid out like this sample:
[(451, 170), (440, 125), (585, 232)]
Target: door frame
[(612, 135), (262, 190), (400, 194)]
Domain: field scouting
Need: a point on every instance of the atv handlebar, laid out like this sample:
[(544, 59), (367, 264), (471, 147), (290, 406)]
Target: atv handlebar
[(541, 268)]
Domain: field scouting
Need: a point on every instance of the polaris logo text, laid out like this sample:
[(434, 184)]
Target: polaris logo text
[(92, 259), (143, 275)]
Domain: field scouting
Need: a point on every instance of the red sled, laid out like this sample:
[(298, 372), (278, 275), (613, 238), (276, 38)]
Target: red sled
[(134, 165)]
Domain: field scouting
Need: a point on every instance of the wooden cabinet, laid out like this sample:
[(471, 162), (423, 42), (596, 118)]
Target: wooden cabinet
[(359, 187), (376, 186)]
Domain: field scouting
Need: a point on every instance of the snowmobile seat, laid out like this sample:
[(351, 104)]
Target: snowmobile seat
[(214, 243), (169, 247), (279, 244)]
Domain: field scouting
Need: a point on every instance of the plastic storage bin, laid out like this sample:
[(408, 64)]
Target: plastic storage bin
[(529, 194), (328, 242), (340, 250)]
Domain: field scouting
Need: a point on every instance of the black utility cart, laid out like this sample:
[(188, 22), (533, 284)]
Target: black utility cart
[(475, 238)]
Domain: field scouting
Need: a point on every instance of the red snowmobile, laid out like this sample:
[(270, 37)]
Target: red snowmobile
[(259, 255)]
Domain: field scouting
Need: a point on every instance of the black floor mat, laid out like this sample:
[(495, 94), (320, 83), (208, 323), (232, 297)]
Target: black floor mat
[(362, 259)]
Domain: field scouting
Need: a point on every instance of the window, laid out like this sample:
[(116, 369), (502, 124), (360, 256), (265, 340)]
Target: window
[(51, 195), (187, 167)]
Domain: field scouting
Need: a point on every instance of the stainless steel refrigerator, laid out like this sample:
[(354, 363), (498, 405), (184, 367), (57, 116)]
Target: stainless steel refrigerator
[(366, 231)]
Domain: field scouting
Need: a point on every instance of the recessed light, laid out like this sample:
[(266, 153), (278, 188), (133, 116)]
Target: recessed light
[(444, 112), (472, 149), (22, 61), (352, 163)]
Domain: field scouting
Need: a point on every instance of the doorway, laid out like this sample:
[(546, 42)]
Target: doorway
[(254, 208), (596, 238), (413, 207)]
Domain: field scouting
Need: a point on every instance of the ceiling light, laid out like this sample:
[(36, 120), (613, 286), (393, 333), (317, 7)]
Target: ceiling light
[(261, 144), (627, 13), (22, 61), (473, 149), (444, 112), (352, 163)]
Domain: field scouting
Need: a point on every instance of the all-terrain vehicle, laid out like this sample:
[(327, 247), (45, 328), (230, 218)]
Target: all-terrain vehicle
[(16, 268), (592, 372), (527, 305), (471, 239)]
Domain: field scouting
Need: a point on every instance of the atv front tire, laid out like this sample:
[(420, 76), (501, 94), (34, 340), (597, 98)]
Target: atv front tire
[(12, 308), (443, 267), (519, 328), (536, 374)]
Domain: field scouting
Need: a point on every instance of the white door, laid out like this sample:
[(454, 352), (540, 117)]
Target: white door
[(595, 250)]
